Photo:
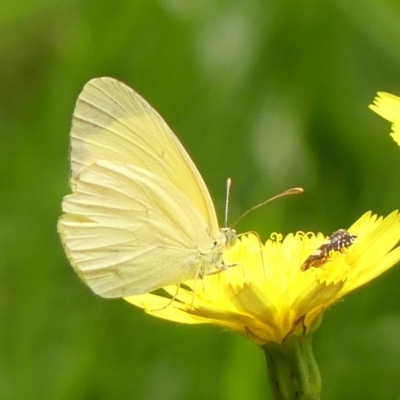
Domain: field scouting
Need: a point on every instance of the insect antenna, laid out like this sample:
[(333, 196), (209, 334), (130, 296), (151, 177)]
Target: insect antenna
[(296, 190), (228, 191)]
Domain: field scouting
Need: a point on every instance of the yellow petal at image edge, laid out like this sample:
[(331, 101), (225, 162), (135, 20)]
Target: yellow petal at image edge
[(388, 106)]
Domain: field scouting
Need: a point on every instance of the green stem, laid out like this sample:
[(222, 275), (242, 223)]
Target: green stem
[(293, 372)]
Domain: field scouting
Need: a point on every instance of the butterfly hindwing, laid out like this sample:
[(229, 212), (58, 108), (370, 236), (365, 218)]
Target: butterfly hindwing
[(127, 232)]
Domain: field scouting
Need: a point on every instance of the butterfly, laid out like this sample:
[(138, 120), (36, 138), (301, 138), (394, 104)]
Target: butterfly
[(140, 216), (337, 242)]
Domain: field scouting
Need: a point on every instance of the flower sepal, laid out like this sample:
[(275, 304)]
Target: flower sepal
[(293, 372)]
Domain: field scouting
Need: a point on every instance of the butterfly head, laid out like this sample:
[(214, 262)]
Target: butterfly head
[(230, 236)]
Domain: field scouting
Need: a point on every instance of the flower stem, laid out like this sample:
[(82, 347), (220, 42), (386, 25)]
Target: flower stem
[(293, 372)]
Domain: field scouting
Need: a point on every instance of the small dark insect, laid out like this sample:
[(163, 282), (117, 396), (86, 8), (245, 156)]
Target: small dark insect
[(338, 241)]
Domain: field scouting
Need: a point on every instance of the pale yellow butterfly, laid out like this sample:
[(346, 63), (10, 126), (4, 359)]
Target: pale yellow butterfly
[(140, 216)]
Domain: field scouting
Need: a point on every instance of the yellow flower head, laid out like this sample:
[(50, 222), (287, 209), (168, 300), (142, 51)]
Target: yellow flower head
[(388, 106), (266, 294)]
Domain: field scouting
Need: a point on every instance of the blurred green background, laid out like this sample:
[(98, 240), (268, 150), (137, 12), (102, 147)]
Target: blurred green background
[(271, 93)]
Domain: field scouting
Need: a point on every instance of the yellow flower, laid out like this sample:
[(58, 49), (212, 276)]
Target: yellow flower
[(265, 294), (388, 106)]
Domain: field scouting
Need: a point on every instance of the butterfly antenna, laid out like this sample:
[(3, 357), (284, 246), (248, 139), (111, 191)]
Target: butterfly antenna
[(228, 190), (288, 192)]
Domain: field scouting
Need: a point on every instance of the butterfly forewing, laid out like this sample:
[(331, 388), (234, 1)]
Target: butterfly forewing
[(113, 122)]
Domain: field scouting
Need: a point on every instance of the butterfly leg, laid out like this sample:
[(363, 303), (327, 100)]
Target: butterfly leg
[(172, 299)]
